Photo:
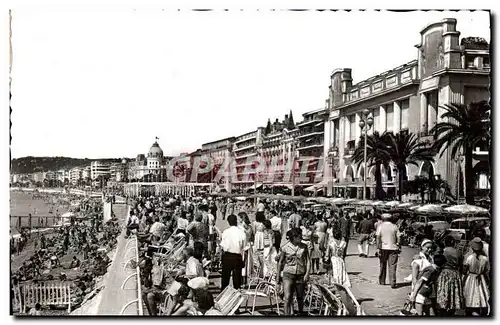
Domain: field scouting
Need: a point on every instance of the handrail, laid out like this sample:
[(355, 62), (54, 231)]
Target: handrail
[(137, 274)]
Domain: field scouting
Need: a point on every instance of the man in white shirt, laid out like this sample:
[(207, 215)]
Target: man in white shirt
[(233, 243), (276, 228), (389, 247)]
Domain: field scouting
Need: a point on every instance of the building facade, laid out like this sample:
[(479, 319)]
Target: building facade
[(219, 152), (246, 148), (408, 98), (152, 166), (75, 174), (99, 168)]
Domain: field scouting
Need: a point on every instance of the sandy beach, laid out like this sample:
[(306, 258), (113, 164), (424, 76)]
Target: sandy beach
[(22, 204)]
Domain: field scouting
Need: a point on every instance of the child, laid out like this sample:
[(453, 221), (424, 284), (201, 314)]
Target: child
[(424, 291), (269, 253)]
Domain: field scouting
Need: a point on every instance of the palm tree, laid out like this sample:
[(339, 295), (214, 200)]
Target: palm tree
[(376, 155), (464, 126), (405, 149)]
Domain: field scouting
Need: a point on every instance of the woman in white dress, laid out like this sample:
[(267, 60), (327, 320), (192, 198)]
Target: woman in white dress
[(338, 271), (476, 285)]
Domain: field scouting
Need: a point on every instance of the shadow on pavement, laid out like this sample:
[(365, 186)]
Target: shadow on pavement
[(402, 285)]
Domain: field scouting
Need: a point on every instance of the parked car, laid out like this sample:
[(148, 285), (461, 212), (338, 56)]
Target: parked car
[(461, 228), (437, 222)]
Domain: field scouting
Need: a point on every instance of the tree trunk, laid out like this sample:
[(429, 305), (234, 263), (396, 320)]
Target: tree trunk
[(379, 191), (401, 178), (469, 176)]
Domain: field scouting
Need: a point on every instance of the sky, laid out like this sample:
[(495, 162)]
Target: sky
[(102, 84)]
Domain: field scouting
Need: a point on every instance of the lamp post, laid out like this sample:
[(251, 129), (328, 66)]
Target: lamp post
[(459, 160), (365, 124)]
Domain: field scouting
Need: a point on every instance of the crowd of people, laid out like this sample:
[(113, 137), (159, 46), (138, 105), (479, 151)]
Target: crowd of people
[(292, 244), (75, 251)]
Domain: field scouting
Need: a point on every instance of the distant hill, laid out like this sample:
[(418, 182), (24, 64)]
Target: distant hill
[(26, 165)]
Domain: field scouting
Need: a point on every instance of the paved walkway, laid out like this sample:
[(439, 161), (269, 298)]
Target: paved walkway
[(112, 298), (363, 273)]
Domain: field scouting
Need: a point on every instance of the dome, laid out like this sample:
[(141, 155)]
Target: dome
[(140, 157), (155, 151)]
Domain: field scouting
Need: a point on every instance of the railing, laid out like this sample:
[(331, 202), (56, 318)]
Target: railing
[(26, 295), (137, 274)]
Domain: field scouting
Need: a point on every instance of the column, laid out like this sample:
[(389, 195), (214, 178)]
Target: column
[(431, 110), (358, 129), (347, 131), (341, 145), (397, 117), (382, 120), (423, 113)]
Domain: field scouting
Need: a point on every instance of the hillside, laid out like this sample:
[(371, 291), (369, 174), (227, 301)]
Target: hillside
[(26, 165)]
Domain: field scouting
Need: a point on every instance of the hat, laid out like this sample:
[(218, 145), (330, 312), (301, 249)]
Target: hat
[(425, 242), (476, 244), (386, 216)]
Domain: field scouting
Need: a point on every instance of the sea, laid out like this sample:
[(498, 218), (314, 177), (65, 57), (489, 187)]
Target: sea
[(22, 204)]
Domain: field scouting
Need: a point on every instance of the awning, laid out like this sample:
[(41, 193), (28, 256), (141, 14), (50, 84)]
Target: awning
[(313, 187)]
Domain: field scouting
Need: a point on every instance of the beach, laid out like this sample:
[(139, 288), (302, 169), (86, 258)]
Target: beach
[(22, 204)]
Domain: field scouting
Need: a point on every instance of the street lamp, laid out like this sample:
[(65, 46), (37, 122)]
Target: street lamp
[(365, 124), (459, 160)]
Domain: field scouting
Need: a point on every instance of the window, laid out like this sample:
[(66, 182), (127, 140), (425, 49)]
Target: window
[(336, 132), (486, 62), (389, 109), (405, 105), (469, 62)]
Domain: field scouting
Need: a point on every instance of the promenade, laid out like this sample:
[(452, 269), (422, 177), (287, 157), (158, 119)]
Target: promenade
[(112, 298), (363, 274)]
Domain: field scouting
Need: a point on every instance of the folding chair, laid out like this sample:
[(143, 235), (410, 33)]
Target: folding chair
[(226, 303)]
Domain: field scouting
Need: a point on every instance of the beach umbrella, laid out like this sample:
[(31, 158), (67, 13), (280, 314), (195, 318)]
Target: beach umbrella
[(406, 205), (430, 208), (392, 204), (466, 209), (415, 207), (337, 200), (364, 202)]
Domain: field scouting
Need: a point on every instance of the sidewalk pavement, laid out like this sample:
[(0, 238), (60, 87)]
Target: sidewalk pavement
[(364, 272)]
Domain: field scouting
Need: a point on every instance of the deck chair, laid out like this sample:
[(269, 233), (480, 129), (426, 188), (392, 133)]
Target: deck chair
[(226, 303), (350, 302), (333, 305), (265, 287), (314, 301)]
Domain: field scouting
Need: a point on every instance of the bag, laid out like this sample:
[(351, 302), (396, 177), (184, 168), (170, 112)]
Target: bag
[(407, 309)]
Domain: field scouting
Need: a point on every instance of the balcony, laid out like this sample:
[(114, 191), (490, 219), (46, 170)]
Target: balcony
[(309, 144)]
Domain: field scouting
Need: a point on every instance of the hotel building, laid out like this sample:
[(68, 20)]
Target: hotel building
[(408, 98)]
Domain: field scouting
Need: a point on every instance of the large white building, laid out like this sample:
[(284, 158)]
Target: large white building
[(75, 174), (153, 165), (98, 168)]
